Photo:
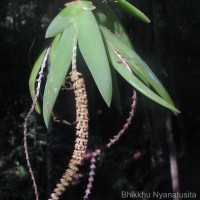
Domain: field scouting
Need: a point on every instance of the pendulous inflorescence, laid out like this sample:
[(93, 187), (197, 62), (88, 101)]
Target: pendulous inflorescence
[(81, 128), (111, 142)]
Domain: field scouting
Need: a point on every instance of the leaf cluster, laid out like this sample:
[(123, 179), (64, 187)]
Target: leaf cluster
[(105, 47)]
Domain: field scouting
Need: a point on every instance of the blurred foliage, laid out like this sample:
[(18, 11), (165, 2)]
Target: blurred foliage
[(128, 165)]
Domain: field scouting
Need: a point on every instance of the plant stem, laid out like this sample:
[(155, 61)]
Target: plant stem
[(26, 123)]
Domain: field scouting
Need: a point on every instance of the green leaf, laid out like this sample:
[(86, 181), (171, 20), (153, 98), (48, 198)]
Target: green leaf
[(136, 83), (33, 76), (138, 66), (63, 20), (54, 46), (85, 5), (106, 17), (110, 38), (58, 71), (126, 6), (67, 17), (92, 48), (111, 21)]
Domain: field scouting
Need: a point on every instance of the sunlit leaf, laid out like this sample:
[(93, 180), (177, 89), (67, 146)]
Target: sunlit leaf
[(138, 66), (59, 68), (33, 77), (126, 6), (136, 83), (92, 48)]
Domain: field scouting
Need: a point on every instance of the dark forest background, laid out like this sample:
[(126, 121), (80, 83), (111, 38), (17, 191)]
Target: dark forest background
[(140, 161)]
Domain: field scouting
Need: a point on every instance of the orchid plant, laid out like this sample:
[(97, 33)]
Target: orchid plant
[(93, 29)]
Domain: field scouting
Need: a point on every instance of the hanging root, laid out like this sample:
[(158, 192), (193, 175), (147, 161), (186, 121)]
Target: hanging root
[(81, 129), (112, 141), (26, 123)]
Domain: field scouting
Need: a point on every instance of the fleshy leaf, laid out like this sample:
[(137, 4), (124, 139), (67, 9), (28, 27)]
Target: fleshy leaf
[(33, 76), (126, 6), (138, 66), (136, 83), (67, 17), (92, 48), (63, 20), (85, 5), (59, 68), (111, 22), (54, 46), (106, 17)]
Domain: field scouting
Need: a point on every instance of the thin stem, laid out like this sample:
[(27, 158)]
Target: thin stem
[(26, 123), (126, 125), (95, 154), (112, 141)]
